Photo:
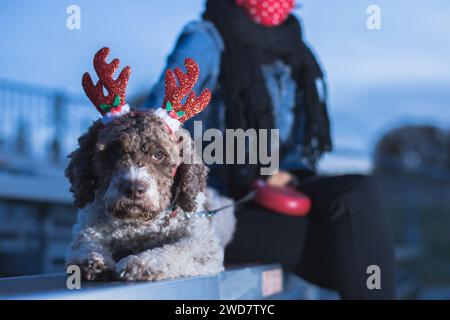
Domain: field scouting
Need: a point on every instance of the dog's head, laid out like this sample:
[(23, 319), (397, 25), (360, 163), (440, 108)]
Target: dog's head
[(134, 165), (133, 162)]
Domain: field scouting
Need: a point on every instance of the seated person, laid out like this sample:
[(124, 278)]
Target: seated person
[(263, 76)]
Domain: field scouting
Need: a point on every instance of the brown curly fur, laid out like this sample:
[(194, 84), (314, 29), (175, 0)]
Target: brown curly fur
[(80, 170)]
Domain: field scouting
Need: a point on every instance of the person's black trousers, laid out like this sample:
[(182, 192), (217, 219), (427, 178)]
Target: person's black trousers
[(344, 233)]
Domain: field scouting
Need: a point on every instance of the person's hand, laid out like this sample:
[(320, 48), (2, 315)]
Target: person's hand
[(280, 179)]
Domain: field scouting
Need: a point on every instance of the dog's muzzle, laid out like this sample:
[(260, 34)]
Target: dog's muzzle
[(132, 192)]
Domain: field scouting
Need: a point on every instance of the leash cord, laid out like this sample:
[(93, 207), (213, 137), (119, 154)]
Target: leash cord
[(209, 213)]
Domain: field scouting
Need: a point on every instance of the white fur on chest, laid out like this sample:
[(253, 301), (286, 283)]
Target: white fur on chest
[(165, 230), (118, 235)]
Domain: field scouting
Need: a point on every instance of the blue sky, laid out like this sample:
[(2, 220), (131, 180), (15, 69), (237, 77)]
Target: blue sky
[(377, 79)]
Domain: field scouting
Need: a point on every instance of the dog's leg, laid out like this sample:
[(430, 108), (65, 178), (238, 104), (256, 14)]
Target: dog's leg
[(198, 254), (94, 260)]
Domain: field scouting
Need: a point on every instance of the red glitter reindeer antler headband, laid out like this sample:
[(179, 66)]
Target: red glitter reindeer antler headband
[(173, 112), (113, 104)]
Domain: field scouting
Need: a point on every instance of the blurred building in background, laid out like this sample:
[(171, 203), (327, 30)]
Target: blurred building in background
[(38, 129)]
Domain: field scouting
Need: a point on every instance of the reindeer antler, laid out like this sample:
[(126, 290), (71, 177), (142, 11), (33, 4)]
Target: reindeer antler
[(116, 88), (176, 93)]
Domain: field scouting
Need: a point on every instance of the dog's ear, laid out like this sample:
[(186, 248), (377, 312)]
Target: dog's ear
[(191, 173), (80, 170), (191, 182)]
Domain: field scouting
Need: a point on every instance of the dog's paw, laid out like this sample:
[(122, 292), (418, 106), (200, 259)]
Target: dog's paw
[(133, 268), (96, 267)]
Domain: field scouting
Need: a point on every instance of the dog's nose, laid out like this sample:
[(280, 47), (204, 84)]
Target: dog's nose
[(133, 189)]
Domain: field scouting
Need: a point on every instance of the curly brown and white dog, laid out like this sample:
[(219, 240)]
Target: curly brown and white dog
[(137, 195)]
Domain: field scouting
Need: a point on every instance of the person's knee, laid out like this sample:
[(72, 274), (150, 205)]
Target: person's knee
[(359, 196), (360, 183)]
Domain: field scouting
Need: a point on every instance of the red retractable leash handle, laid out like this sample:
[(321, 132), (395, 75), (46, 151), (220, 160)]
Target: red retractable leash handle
[(284, 200)]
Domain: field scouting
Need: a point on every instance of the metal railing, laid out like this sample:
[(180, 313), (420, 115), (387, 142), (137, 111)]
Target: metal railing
[(41, 123)]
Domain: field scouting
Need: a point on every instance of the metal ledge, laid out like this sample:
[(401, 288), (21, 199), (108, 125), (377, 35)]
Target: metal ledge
[(255, 282)]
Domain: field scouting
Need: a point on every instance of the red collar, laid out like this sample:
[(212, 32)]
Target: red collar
[(174, 213)]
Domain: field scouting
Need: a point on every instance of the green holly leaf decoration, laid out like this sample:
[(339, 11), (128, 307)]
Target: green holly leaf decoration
[(105, 107), (180, 114), (168, 106), (116, 101)]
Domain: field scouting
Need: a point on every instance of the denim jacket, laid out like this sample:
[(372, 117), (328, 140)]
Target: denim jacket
[(201, 41)]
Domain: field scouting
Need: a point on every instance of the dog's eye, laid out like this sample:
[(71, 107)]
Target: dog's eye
[(158, 155)]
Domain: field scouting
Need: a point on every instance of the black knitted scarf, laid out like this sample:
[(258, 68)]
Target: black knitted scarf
[(248, 46)]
